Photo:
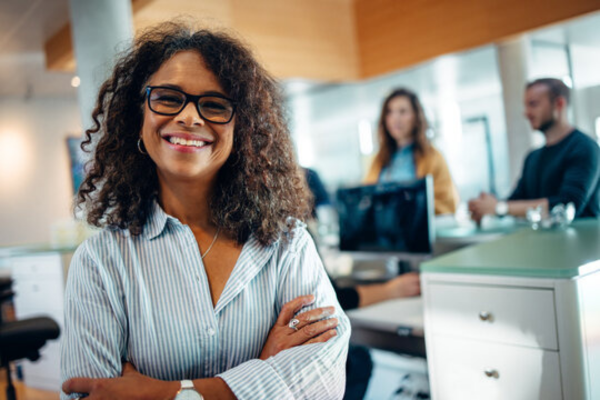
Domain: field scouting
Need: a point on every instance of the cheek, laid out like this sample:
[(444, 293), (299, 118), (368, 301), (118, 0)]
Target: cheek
[(152, 123), (389, 120), (226, 141)]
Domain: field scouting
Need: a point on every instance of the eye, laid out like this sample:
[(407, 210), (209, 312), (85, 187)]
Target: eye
[(215, 105), (167, 99)]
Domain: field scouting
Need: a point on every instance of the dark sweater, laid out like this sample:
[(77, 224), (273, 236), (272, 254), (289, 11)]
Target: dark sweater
[(568, 171)]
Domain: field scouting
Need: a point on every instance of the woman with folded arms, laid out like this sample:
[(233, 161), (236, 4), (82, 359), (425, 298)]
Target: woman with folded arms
[(204, 281)]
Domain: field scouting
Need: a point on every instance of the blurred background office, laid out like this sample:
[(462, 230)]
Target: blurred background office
[(467, 60), (337, 61)]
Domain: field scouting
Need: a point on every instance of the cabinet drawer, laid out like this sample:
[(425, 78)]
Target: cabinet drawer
[(30, 267), (471, 370), (523, 317)]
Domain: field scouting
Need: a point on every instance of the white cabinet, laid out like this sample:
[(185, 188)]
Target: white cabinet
[(39, 281), (510, 315), (496, 337), (472, 369)]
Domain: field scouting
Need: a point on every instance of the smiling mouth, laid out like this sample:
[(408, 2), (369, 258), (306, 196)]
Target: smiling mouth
[(186, 142)]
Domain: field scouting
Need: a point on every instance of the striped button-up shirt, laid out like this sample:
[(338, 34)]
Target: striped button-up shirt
[(146, 299)]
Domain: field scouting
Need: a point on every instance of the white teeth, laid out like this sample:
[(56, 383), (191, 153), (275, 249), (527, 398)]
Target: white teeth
[(185, 142)]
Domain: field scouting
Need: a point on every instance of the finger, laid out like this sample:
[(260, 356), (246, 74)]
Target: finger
[(317, 314), (325, 336), (313, 330), (78, 385), (292, 307)]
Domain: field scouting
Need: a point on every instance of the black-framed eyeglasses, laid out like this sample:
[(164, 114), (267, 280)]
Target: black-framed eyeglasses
[(170, 101)]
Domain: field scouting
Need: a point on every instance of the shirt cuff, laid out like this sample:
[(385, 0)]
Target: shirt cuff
[(255, 379)]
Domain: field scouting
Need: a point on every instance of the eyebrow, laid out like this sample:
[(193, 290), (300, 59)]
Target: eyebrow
[(207, 93)]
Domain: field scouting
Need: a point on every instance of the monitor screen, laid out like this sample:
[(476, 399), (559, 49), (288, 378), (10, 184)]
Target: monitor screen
[(387, 217)]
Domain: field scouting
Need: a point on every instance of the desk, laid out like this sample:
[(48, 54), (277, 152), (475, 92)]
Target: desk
[(350, 268), (394, 325), (453, 237), (516, 318)]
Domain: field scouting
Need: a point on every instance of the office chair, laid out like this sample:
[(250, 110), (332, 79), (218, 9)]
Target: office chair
[(23, 338)]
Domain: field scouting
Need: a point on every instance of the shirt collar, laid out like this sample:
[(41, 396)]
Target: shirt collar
[(157, 221), (406, 149)]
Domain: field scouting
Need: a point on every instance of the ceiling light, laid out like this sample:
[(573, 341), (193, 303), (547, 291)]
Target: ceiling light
[(75, 81)]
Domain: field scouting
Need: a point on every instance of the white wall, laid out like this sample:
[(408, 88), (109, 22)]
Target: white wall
[(587, 109), (35, 182)]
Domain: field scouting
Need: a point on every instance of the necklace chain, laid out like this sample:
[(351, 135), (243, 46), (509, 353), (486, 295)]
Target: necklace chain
[(211, 245)]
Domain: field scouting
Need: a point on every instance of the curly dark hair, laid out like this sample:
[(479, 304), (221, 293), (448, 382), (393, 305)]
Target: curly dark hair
[(258, 187)]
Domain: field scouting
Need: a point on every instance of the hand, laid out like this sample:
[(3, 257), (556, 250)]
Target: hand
[(313, 328), (405, 285), (130, 385), (484, 204)]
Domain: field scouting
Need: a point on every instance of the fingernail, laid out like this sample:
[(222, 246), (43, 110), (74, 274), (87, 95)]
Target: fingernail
[(333, 332), (310, 298)]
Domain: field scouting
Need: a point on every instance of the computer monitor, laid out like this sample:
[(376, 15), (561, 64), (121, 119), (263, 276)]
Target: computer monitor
[(388, 217)]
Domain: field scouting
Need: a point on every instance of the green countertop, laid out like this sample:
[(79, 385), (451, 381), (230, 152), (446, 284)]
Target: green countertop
[(556, 253)]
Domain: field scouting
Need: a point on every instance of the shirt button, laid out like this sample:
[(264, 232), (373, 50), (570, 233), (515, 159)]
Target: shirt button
[(211, 331)]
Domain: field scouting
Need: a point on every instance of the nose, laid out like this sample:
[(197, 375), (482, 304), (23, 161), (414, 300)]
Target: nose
[(189, 116)]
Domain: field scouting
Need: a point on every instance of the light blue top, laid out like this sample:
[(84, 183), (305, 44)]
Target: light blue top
[(401, 167), (146, 299)]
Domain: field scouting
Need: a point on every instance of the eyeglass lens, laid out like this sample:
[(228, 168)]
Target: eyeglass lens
[(171, 102)]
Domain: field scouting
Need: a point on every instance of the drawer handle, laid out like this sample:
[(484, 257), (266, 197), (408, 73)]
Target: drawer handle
[(491, 373), (486, 316)]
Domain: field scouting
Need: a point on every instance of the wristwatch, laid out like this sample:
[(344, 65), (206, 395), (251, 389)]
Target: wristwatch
[(501, 208), (187, 392)]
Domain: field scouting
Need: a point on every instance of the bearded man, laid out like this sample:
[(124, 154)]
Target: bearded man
[(566, 169)]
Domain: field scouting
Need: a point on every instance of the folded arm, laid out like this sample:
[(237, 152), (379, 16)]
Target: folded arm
[(302, 372)]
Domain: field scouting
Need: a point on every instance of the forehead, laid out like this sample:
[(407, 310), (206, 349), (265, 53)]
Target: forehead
[(187, 70), (537, 92), (399, 102)]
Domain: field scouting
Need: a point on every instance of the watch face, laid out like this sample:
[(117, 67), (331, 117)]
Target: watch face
[(501, 208), (188, 394)]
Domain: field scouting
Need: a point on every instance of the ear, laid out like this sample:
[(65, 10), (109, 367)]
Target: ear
[(560, 102)]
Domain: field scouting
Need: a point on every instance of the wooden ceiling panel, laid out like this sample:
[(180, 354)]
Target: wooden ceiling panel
[(339, 40), (395, 34), (310, 39), (208, 13)]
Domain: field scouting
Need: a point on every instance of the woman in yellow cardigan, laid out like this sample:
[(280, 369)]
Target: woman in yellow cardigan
[(405, 153)]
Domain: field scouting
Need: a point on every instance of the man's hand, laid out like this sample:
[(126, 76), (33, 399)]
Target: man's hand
[(131, 385), (312, 328), (405, 285), (484, 204)]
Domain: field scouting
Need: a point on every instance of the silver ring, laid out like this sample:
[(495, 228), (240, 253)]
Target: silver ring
[(293, 323)]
